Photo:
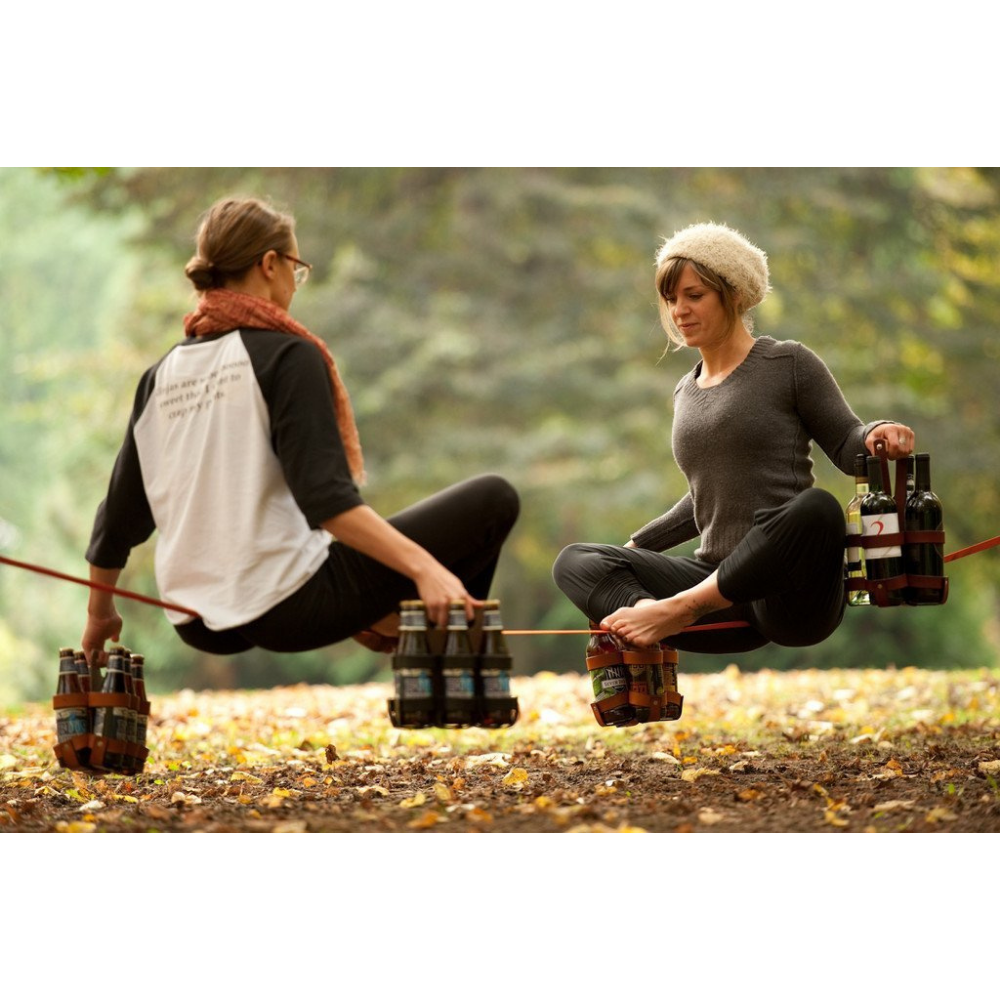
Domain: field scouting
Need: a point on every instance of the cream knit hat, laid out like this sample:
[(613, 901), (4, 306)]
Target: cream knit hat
[(727, 253)]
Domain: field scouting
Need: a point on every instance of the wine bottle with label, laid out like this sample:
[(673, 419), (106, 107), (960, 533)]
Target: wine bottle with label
[(855, 554), (880, 517)]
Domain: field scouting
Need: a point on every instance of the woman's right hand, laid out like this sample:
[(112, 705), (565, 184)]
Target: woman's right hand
[(98, 631), (438, 587)]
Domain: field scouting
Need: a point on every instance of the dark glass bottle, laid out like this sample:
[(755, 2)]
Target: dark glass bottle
[(415, 672), (83, 671), (924, 512), (855, 554), (496, 706), (71, 720), (880, 517), (138, 664), (111, 720), (609, 678), (458, 670)]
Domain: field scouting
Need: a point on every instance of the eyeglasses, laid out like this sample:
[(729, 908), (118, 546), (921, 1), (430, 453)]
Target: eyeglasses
[(301, 271)]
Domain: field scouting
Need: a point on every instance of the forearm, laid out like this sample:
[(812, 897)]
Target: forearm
[(362, 529), (101, 603)]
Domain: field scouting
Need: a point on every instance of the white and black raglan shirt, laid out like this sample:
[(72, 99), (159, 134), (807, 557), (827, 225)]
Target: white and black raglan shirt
[(233, 456)]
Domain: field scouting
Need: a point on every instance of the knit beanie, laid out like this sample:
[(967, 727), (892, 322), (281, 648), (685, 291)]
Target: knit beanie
[(727, 253)]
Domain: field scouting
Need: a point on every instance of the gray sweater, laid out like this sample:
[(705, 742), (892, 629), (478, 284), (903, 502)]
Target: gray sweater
[(744, 444)]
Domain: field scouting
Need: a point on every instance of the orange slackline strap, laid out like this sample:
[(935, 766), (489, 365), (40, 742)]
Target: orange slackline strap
[(101, 586), (972, 549)]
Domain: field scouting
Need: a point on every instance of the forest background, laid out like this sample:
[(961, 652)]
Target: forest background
[(504, 320)]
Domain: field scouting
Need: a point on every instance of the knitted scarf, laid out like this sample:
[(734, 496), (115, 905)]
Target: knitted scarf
[(221, 310)]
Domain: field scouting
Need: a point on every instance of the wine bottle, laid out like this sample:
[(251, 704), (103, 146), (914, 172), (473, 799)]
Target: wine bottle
[(855, 554), (923, 512), (880, 517)]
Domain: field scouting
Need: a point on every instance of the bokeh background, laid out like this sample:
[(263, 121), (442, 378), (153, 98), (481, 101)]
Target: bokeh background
[(504, 320)]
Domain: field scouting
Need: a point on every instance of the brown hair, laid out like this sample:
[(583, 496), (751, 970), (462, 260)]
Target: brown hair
[(233, 235), (668, 274)]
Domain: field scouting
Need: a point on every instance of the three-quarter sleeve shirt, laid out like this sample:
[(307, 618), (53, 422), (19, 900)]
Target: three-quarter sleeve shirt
[(233, 456)]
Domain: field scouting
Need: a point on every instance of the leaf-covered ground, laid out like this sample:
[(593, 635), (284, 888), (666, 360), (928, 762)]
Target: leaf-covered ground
[(833, 751)]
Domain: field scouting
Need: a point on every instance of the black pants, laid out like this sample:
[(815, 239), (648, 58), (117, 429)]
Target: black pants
[(785, 578), (463, 527)]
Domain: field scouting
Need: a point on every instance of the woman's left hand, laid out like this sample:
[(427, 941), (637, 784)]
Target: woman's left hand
[(898, 438)]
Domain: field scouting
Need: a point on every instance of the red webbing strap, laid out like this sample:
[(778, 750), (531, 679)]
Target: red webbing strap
[(973, 549)]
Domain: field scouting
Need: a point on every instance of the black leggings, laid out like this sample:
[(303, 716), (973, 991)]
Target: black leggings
[(463, 527), (785, 578)]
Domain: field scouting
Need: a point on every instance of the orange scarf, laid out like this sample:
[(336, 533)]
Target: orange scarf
[(221, 310)]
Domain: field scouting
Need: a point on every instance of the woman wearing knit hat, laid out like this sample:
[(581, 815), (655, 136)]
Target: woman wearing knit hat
[(771, 544), (242, 453)]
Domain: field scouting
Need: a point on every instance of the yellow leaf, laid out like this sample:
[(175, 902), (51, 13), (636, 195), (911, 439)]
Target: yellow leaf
[(749, 794), (694, 773), (834, 818), (941, 815), (426, 820), (418, 800), (75, 827), (443, 792), (989, 767), (7, 761), (477, 815), (308, 782), (544, 802), (515, 778)]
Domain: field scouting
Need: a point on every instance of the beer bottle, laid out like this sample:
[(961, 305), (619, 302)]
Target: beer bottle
[(855, 554), (458, 670), (71, 720), (672, 701), (82, 671), (496, 706), (880, 517), (111, 718), (414, 669), (923, 512), (645, 679), (609, 678), (138, 664)]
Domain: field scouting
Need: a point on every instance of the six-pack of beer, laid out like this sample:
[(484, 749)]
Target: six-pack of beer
[(456, 677), (631, 684), (101, 721), (895, 543)]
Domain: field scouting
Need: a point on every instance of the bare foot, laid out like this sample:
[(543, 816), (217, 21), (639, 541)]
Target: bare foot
[(649, 621)]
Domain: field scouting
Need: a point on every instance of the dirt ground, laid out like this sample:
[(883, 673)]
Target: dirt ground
[(812, 751)]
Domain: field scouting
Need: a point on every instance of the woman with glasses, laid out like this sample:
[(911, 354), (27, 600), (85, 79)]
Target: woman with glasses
[(242, 453)]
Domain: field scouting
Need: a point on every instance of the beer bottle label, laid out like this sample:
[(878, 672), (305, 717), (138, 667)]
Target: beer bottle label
[(459, 685), (70, 722), (615, 680), (496, 685), (414, 685), (882, 524)]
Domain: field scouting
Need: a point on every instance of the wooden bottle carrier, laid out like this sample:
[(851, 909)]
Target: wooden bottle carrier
[(880, 589), (662, 705), (92, 752)]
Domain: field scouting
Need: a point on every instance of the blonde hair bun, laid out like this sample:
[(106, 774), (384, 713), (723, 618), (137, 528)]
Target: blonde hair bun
[(726, 252)]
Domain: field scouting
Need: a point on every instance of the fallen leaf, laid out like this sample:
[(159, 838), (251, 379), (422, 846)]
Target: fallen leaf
[(940, 815), (75, 827), (427, 820), (490, 759), (709, 817), (989, 767), (894, 804), (833, 817), (7, 761), (417, 800), (515, 779), (694, 773)]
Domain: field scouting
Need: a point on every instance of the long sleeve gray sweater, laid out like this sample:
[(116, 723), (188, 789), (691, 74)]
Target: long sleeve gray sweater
[(744, 444)]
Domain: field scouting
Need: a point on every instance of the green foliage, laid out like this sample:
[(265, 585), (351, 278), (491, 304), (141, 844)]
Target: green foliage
[(500, 320)]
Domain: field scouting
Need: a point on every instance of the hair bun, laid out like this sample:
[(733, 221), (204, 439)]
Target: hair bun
[(201, 273)]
